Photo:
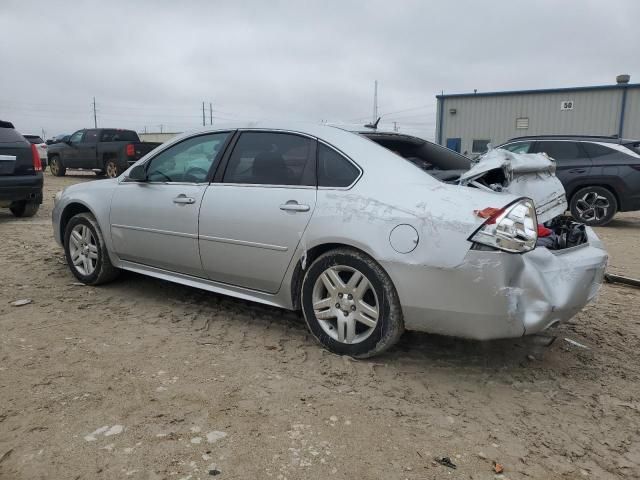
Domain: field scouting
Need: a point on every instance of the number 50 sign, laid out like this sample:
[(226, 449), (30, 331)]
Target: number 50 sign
[(566, 105)]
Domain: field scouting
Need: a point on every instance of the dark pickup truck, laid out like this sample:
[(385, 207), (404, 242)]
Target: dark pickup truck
[(106, 151)]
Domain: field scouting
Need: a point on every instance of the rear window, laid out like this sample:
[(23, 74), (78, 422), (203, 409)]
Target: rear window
[(119, 136), (9, 135), (34, 139)]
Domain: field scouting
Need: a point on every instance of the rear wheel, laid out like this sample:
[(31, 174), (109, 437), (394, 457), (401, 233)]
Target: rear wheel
[(350, 304), (24, 209), (594, 206), (111, 169), (56, 167), (86, 251)]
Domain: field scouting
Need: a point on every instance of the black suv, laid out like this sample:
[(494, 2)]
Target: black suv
[(20, 173), (601, 175)]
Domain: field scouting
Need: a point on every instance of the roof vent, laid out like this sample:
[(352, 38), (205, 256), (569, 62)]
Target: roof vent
[(622, 79)]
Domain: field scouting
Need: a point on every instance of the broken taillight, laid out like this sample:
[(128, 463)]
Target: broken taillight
[(512, 228)]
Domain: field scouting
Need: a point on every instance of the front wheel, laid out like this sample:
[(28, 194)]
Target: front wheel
[(86, 251), (350, 304), (593, 206)]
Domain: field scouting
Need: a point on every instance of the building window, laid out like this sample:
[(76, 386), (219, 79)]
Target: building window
[(522, 123), (479, 146)]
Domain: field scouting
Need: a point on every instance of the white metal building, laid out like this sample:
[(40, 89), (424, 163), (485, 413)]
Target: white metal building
[(468, 122)]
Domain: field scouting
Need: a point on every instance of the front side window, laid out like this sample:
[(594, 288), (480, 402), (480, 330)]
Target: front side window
[(333, 169), (76, 137), (188, 161), (561, 150), (269, 158), (520, 147)]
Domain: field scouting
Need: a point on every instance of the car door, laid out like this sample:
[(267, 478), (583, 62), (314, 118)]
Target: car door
[(86, 150), (572, 162), (254, 215), (70, 152), (155, 222)]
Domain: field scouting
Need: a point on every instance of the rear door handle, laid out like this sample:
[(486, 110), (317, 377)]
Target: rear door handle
[(183, 199), (293, 206)]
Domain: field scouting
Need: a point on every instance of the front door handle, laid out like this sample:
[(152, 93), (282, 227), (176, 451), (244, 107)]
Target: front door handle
[(293, 206), (184, 200)]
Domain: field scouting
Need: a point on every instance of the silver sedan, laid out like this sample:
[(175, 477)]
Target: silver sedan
[(318, 219)]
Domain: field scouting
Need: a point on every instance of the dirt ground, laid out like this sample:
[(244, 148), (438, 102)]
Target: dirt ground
[(146, 379)]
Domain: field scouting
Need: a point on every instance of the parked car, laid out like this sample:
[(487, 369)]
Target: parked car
[(601, 175), (106, 151), (41, 146), (319, 219), (20, 173)]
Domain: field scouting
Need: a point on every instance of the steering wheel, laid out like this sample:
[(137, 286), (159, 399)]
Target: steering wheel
[(196, 173)]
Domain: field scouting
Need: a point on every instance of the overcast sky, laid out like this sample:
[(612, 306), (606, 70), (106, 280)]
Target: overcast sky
[(152, 63)]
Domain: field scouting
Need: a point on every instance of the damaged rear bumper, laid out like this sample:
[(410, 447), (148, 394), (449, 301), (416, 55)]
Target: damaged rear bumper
[(494, 294)]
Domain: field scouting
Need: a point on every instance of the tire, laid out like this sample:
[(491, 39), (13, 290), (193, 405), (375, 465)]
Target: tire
[(56, 167), (353, 333), (24, 209), (593, 206), (111, 169), (88, 248)]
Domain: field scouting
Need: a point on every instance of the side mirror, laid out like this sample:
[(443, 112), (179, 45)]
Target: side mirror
[(67, 140), (137, 174)]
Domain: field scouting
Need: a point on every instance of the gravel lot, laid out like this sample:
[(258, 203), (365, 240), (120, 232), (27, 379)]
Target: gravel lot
[(146, 379)]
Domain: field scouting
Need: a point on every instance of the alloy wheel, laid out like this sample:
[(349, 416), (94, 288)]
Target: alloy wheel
[(112, 170), (592, 207), (83, 249), (53, 167), (345, 304)]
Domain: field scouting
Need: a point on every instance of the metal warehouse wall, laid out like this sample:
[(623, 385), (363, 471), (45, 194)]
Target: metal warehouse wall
[(493, 117)]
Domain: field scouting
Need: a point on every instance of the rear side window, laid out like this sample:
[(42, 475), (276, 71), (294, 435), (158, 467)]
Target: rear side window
[(115, 135), (561, 150), (520, 147), (594, 150), (270, 158), (334, 170)]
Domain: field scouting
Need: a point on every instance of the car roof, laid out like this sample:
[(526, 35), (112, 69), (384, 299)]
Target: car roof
[(578, 138)]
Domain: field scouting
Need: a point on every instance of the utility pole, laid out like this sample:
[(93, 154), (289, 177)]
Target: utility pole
[(210, 113), (375, 101), (161, 125), (203, 114), (95, 119), (395, 126)]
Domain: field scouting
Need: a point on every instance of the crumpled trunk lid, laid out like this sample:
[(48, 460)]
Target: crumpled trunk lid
[(529, 175)]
